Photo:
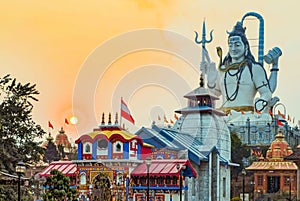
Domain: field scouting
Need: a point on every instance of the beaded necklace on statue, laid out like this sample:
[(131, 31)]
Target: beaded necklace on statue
[(236, 66)]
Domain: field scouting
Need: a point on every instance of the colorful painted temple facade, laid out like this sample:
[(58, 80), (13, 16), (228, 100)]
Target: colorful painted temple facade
[(106, 156)]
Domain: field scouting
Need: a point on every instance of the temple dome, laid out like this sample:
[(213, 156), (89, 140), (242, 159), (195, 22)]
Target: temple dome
[(278, 149), (62, 139)]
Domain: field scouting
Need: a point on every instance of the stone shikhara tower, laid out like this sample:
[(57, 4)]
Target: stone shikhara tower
[(202, 136), (211, 136)]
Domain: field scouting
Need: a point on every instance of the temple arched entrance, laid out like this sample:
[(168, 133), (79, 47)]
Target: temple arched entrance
[(102, 188)]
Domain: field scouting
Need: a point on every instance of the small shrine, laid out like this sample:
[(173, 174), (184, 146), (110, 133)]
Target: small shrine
[(273, 175)]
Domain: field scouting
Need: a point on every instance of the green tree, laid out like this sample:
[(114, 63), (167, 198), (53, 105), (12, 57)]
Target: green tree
[(18, 132), (58, 188), (238, 152), (9, 192)]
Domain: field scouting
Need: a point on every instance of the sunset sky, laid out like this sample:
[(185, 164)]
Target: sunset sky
[(85, 55)]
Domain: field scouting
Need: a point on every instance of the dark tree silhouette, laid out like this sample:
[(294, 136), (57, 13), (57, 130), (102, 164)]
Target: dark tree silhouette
[(19, 133)]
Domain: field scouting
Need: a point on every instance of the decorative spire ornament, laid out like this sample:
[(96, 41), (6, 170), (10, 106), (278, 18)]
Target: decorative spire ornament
[(109, 119), (102, 122)]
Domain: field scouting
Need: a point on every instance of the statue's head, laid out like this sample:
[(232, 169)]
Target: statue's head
[(238, 33), (239, 30)]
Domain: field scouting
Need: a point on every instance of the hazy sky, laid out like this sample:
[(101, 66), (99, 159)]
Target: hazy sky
[(85, 55)]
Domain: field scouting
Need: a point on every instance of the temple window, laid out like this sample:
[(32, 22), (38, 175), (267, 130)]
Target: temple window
[(83, 179), (193, 187), (168, 180), (143, 181), (87, 148), (192, 103), (102, 144), (152, 181), (260, 180), (286, 180), (224, 187), (160, 180), (118, 147), (174, 180)]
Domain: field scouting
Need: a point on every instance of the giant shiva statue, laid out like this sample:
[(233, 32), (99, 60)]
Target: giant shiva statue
[(239, 77)]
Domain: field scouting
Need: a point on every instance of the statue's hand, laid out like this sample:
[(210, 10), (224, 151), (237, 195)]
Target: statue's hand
[(212, 74), (272, 57), (260, 104)]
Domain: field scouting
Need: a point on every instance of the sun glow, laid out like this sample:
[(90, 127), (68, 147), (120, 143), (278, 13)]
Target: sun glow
[(73, 120)]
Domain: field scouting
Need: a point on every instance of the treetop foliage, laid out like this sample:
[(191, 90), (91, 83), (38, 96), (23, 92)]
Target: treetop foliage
[(58, 187), (18, 131)]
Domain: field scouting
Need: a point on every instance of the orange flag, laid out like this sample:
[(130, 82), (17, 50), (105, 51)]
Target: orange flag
[(165, 119), (258, 112), (282, 115), (242, 112), (172, 122), (175, 116), (66, 121), (158, 117)]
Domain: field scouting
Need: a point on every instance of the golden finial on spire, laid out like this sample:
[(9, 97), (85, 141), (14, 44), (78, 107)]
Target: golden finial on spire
[(116, 120), (109, 119), (50, 138), (102, 122)]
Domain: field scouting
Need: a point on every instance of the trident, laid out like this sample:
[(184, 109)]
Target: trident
[(203, 42)]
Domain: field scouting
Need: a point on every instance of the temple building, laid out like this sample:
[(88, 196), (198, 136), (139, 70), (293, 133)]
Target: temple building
[(58, 149), (106, 157), (275, 177), (109, 156), (201, 136)]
